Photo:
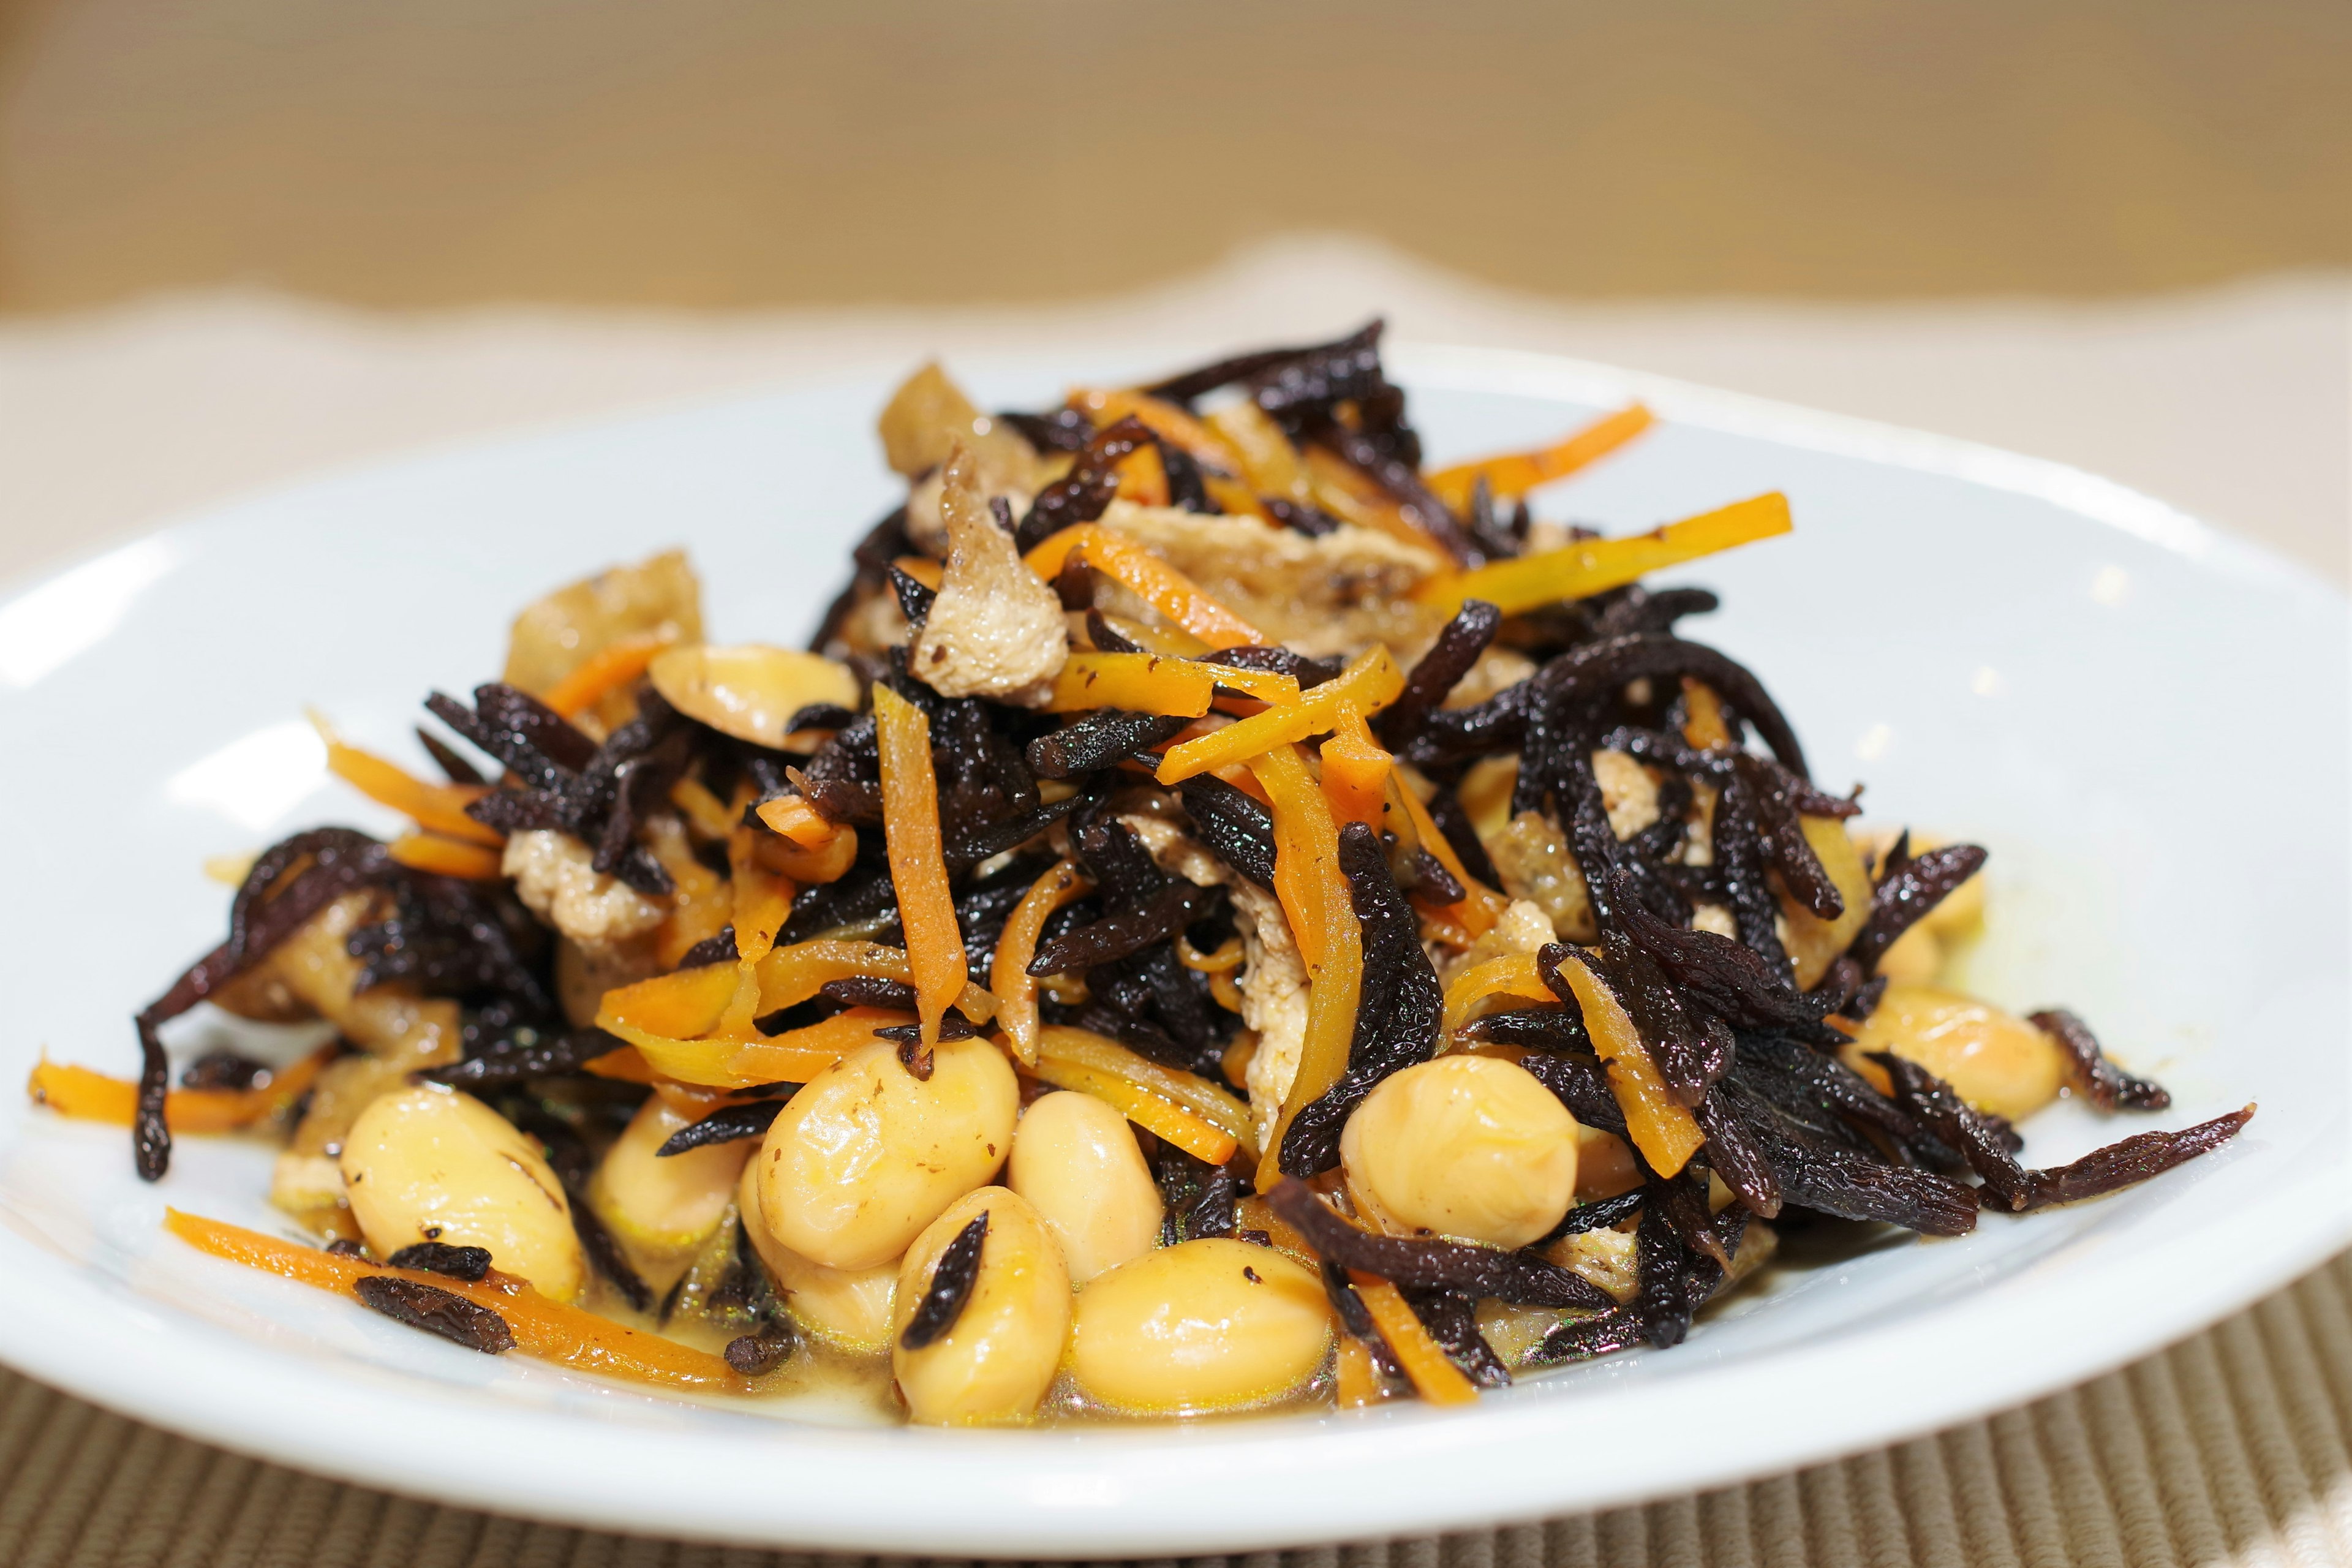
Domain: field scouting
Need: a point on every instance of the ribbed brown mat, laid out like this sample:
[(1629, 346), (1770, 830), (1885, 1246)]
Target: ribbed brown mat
[(2229, 1448)]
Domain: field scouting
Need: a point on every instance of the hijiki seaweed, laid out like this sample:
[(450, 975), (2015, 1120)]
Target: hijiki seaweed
[(1197, 749)]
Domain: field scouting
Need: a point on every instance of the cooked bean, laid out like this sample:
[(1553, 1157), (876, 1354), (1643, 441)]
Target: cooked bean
[(749, 692), (849, 1308), (427, 1164), (1076, 1160), (664, 1207), (1213, 1324), (1996, 1062), (996, 1360), (866, 1156), (1465, 1146)]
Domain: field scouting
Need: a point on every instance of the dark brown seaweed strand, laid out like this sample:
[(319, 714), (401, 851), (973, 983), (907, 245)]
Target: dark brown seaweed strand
[(1116, 936), (1492, 536), (1661, 1263), (1452, 1320), (957, 1271), (1298, 517), (1063, 429), (1673, 1038), (507, 1062), (1587, 1339), (1734, 1155), (1852, 1185), (1785, 844), (2007, 1183), (1099, 740), (1309, 673), (953, 1026), (470, 1264), (1723, 976), (1599, 1215), (2134, 1160), (1576, 683), (436, 1312), (763, 1350), (445, 756), (1829, 1099), (1449, 659), (1739, 859), (1357, 1319), (1082, 494), (717, 948), (1648, 610), (2089, 1072), (1445, 810), (222, 1069), (1106, 639), (968, 847), (1399, 1006), (724, 1125), (1908, 893), (915, 597), (1433, 881), (1403, 483), (1236, 828), (1682, 1201), (870, 991), (1537, 1026), (1482, 1272), (1198, 383)]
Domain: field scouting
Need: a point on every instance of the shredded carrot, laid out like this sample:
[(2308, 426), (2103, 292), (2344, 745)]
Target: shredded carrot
[(1662, 1126), (1481, 906), (1358, 1379), (1514, 474), (700, 902), (543, 1328), (1143, 477), (1369, 683), (607, 670), (1163, 419), (910, 833), (1238, 775), (1594, 565), (1314, 895), (763, 901), (1268, 461), (1350, 494), (1008, 976), (1224, 960), (786, 859), (1435, 1377), (440, 808), (1513, 974), (1232, 497), (706, 813), (931, 573), (1356, 772), (625, 1064), (1703, 725), (798, 1055), (1161, 1118), (89, 1096), (1266, 685), (1160, 585), (796, 819), (447, 857), (1217, 1106), (793, 974), (683, 1006), (1138, 682)]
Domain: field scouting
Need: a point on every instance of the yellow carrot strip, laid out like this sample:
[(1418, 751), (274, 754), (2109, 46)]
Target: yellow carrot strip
[(1266, 685), (798, 1055), (625, 1064), (1159, 585), (1356, 772), (1268, 461), (1232, 497), (763, 901), (1358, 1380), (797, 820), (1167, 640), (1594, 565), (1163, 419), (1314, 898), (1369, 683), (1220, 1108), (1513, 974), (607, 670), (910, 834), (679, 1006), (88, 1096), (705, 811), (439, 808), (1662, 1126), (1008, 976), (1481, 906), (1143, 477), (1513, 474), (1703, 724), (543, 1328), (793, 974), (1139, 682), (447, 857), (1161, 1118), (1352, 495), (1433, 1374)]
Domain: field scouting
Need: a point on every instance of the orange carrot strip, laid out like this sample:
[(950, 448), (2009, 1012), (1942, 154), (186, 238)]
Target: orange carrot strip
[(1513, 974), (447, 857), (1159, 585), (1578, 571), (1219, 1107), (1322, 917), (1355, 772), (799, 1055), (910, 834), (1662, 1126), (626, 1064), (1268, 461), (700, 903), (794, 974), (1162, 1118), (1703, 725), (440, 807), (1266, 685), (1143, 477), (797, 820), (1163, 419), (1358, 1379), (88, 1096), (678, 1006), (1232, 497), (1166, 640), (543, 1328), (1009, 977), (706, 813), (1435, 1377), (931, 573), (1139, 682), (1481, 906), (1350, 494), (1513, 474), (763, 901), (610, 668), (1369, 683)]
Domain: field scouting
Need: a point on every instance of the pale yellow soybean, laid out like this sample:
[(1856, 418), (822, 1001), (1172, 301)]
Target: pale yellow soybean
[(1209, 1325), (847, 1309), (1992, 1060), (1077, 1162), (996, 1361), (427, 1164), (1466, 1146), (662, 1207)]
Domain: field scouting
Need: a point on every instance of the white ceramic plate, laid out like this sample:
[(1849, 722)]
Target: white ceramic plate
[(2145, 720)]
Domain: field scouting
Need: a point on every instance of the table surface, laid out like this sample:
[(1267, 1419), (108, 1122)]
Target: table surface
[(2230, 1447)]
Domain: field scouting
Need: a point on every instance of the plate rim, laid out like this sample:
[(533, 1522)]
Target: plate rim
[(150, 1381)]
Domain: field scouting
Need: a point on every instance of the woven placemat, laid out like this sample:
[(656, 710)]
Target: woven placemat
[(2229, 1448)]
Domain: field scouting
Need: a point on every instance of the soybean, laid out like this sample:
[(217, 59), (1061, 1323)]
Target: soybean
[(1213, 1324), (996, 1361), (1466, 1146), (1077, 1162)]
